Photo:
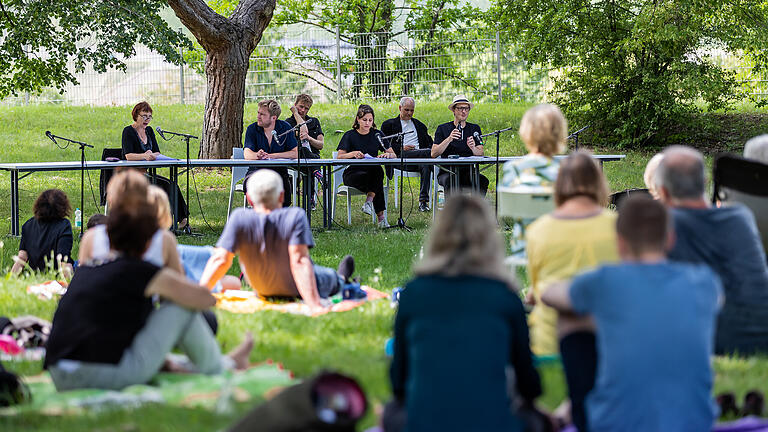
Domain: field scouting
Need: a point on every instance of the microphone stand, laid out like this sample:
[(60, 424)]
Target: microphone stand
[(497, 133), (303, 199), (187, 137), (400, 221), (82, 146)]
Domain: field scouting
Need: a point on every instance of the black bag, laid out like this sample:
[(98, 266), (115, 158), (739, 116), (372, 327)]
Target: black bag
[(12, 390)]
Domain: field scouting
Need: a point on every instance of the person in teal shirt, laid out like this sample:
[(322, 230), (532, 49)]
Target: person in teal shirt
[(459, 330)]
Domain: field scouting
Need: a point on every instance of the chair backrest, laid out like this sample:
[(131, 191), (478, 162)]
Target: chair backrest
[(106, 174), (338, 174), (743, 181), (238, 173), (525, 203)]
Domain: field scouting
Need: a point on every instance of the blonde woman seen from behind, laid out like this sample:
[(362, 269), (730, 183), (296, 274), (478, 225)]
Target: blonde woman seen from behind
[(460, 317)]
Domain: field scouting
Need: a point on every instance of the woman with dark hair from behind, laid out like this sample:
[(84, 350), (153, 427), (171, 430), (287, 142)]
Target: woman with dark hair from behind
[(46, 237), (106, 332), (139, 143), (356, 143), (460, 327)]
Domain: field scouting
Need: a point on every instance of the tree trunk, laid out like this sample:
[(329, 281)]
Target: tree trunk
[(225, 71), (228, 44)]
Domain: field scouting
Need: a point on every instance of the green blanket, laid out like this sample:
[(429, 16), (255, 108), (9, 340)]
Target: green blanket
[(188, 390)]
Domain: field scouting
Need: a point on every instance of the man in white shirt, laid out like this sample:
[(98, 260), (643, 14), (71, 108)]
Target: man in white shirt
[(417, 144)]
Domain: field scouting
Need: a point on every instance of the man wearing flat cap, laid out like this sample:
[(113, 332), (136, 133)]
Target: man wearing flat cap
[(455, 138)]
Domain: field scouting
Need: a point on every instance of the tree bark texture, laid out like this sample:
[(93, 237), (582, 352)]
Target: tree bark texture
[(228, 43)]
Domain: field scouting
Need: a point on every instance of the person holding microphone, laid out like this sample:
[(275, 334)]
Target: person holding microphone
[(455, 139)]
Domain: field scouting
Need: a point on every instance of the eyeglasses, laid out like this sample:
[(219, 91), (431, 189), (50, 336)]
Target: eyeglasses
[(146, 116), (462, 108)]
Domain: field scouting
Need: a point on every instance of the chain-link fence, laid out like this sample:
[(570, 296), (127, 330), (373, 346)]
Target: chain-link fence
[(331, 66)]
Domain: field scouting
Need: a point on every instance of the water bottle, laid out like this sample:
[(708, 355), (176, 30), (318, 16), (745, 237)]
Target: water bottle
[(78, 218), (440, 199)]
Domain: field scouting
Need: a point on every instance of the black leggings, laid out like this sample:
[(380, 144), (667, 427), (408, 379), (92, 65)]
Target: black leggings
[(166, 185), (368, 179), (578, 351)]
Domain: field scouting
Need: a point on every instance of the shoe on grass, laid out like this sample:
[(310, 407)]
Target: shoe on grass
[(423, 206), (346, 268), (368, 207), (383, 223)]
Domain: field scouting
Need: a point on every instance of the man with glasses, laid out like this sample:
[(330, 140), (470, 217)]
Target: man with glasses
[(417, 144), (262, 142), (455, 139)]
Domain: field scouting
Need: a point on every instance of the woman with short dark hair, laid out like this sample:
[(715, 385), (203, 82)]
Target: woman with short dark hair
[(139, 143), (106, 332), (356, 143), (46, 238)]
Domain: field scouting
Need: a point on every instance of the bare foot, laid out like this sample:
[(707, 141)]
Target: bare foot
[(242, 352)]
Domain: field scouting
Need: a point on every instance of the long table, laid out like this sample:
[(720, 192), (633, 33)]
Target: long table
[(19, 171)]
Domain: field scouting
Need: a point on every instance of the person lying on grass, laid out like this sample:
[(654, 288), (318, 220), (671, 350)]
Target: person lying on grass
[(655, 327), (273, 244), (107, 334)]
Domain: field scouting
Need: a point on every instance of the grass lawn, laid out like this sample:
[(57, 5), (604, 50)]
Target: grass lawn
[(352, 342)]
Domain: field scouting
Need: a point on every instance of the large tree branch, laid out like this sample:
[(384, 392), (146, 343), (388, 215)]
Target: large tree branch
[(209, 28)]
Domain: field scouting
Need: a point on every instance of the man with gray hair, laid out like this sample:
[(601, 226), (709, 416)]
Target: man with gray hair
[(757, 149), (416, 144), (273, 244), (725, 239)]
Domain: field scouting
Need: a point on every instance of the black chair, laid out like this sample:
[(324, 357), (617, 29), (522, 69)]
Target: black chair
[(616, 198), (106, 174), (745, 181)]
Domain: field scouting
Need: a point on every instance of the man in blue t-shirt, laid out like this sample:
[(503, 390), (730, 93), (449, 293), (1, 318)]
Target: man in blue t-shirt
[(725, 239), (655, 323), (273, 247), (267, 139)]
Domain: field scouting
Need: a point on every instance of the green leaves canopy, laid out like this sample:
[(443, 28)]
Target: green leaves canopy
[(632, 68), (38, 38)]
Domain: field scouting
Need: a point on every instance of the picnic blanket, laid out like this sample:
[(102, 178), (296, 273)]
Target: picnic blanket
[(212, 392), (237, 301)]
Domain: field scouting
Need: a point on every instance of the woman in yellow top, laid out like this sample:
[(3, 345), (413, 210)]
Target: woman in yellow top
[(578, 235)]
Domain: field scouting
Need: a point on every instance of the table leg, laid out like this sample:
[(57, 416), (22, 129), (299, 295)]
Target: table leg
[(14, 203), (174, 173)]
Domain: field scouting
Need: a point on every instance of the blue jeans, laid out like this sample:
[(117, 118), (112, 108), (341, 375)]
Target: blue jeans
[(328, 281)]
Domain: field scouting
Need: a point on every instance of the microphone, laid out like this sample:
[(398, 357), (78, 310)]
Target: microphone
[(461, 130), (160, 131), (275, 138), (478, 140), (50, 136)]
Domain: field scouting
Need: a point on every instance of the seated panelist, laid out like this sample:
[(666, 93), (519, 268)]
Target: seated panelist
[(455, 138)]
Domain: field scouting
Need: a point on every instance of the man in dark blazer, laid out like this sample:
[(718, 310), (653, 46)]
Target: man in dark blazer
[(416, 145)]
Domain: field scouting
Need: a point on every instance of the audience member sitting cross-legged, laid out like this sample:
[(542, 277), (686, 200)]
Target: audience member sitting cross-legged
[(727, 240), (460, 333), (106, 332), (655, 324), (46, 238), (273, 244)]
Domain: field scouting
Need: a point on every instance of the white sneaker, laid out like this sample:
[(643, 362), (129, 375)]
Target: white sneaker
[(383, 223), (368, 207)]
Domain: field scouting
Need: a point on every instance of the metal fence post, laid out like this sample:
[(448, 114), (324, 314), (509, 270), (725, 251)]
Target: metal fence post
[(498, 65), (181, 74), (338, 64)]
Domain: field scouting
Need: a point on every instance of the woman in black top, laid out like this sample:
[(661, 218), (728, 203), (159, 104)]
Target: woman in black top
[(47, 236), (107, 334), (355, 144), (139, 143)]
